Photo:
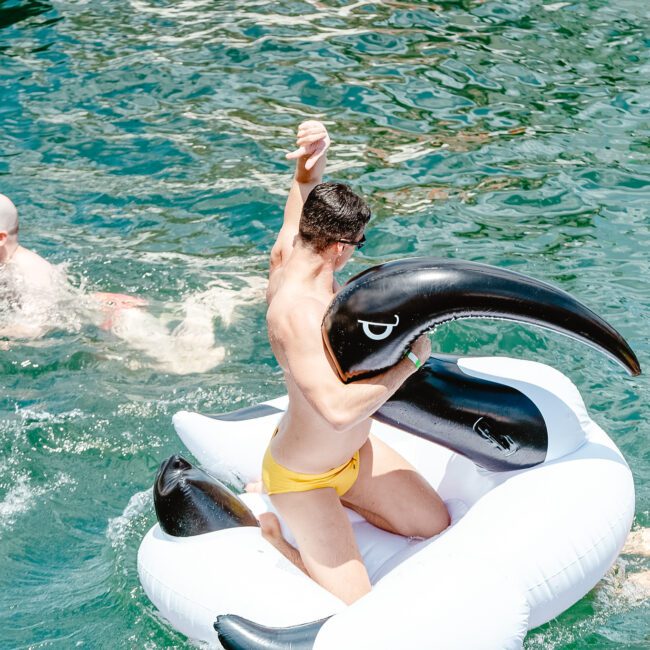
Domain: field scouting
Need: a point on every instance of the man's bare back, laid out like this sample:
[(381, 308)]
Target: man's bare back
[(29, 286), (303, 429), (35, 271), (323, 456)]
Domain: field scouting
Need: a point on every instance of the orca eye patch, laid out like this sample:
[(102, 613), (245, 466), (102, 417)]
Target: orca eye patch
[(385, 329)]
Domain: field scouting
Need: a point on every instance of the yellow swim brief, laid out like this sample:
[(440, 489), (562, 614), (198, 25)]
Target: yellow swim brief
[(278, 479)]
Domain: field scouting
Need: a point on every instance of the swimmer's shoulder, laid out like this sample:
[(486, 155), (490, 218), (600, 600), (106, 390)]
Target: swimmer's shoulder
[(29, 262), (38, 276), (25, 255)]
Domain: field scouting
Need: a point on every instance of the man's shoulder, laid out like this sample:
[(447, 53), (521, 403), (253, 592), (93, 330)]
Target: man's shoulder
[(292, 312), (25, 257), (37, 273)]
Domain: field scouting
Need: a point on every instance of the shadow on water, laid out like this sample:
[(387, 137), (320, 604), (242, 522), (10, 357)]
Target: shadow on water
[(12, 12)]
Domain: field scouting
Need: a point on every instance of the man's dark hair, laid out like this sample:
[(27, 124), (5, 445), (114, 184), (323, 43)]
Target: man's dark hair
[(332, 212)]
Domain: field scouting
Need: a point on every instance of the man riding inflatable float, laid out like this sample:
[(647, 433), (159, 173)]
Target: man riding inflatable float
[(523, 424), (327, 423)]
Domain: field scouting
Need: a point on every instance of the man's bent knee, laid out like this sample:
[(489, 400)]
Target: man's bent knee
[(427, 527)]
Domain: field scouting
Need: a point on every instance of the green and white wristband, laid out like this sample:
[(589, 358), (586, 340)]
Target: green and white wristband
[(413, 357)]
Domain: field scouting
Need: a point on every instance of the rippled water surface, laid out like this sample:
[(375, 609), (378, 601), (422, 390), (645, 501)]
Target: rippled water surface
[(143, 143)]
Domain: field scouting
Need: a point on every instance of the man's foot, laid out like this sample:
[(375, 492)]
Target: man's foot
[(638, 543), (111, 304), (270, 527), (272, 533), (641, 581), (255, 486)]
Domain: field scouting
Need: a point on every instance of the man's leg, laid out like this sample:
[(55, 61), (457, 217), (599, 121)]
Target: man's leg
[(325, 541), (390, 494), (272, 533)]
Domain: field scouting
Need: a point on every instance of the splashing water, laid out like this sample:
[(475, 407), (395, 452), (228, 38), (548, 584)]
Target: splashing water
[(190, 346), (23, 495)]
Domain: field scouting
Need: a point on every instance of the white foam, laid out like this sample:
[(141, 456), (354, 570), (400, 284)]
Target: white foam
[(191, 346), (118, 527), (22, 496), (223, 300), (33, 415), (17, 500)]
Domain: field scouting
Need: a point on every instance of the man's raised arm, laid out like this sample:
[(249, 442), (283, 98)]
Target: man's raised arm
[(313, 141)]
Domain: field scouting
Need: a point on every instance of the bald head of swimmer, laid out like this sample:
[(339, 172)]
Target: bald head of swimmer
[(8, 228), (332, 222)]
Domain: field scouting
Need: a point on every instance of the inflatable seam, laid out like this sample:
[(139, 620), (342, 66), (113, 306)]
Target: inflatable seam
[(601, 540), (176, 593)]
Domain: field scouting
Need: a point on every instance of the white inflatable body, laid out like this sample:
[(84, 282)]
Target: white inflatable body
[(523, 545)]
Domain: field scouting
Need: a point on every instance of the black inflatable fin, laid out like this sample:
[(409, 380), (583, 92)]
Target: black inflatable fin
[(237, 633), (188, 501), (378, 313), (247, 413), (494, 425)]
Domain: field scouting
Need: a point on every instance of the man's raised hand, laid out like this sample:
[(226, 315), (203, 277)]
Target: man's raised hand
[(312, 141)]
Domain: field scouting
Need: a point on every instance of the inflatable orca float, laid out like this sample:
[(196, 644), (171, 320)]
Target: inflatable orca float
[(541, 499), (380, 312)]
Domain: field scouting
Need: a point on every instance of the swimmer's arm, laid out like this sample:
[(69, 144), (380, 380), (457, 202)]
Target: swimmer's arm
[(311, 159), (342, 405), (22, 331)]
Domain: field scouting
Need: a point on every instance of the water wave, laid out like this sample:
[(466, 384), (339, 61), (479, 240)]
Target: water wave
[(24, 494), (120, 527)]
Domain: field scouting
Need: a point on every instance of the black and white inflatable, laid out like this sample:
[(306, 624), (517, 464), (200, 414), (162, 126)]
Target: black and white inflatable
[(540, 497)]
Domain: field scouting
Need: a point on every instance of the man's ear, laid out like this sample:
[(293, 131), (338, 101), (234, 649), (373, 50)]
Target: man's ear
[(3, 237)]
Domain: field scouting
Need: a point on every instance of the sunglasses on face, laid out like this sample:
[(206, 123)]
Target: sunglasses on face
[(357, 244)]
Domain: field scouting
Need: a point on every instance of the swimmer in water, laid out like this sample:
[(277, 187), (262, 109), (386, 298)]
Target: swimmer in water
[(36, 297), (36, 271), (26, 277), (31, 286)]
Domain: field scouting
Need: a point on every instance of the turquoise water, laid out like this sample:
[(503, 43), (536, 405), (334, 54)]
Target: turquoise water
[(143, 143)]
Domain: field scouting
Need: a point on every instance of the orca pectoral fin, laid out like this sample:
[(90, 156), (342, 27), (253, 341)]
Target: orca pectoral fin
[(494, 425), (238, 633)]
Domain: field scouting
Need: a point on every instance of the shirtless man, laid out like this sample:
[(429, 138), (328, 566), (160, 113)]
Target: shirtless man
[(31, 287), (25, 278), (36, 297), (35, 269), (322, 455)]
